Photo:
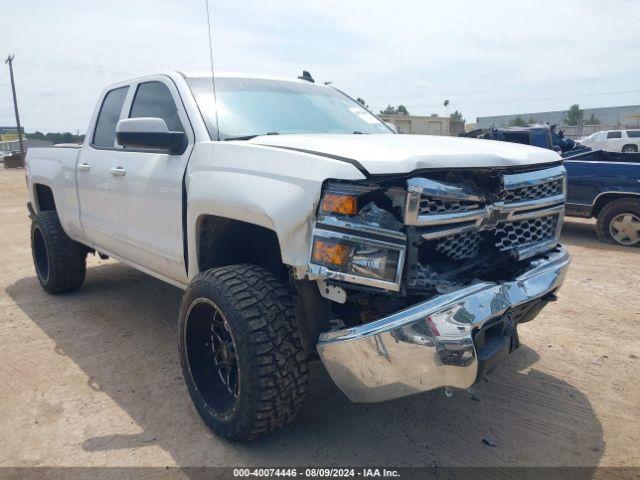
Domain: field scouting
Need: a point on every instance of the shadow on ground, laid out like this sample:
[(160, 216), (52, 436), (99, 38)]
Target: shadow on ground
[(120, 330)]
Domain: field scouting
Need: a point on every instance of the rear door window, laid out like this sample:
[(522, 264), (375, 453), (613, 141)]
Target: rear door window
[(105, 131), (153, 99)]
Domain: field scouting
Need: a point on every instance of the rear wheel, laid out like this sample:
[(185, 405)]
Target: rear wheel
[(60, 262), (629, 149), (619, 222), (241, 353)]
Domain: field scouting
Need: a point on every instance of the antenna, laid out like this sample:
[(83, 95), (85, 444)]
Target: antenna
[(213, 76)]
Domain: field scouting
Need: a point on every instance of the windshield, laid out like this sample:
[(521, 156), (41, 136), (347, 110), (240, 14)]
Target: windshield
[(249, 107)]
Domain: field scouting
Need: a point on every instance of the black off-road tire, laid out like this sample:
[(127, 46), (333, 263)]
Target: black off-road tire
[(630, 149), (610, 211), (60, 262), (272, 372)]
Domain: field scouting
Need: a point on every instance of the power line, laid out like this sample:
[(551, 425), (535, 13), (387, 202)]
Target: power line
[(546, 84), (492, 102)]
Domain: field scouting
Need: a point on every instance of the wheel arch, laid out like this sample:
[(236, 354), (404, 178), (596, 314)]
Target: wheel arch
[(224, 241), (604, 198), (44, 198)]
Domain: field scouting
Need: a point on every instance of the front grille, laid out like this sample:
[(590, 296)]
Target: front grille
[(524, 233), (434, 206), (505, 236), (533, 192), (480, 214), (460, 246)]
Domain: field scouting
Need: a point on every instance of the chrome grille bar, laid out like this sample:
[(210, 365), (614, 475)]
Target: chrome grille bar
[(537, 194)]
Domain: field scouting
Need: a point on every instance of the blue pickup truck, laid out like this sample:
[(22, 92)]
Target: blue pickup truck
[(603, 185), (606, 185)]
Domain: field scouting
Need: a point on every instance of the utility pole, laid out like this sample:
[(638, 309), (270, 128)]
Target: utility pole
[(446, 115), (9, 60)]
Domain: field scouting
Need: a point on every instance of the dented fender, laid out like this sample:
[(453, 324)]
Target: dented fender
[(261, 185)]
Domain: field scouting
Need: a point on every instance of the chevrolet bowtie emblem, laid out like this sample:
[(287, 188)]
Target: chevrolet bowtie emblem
[(493, 214)]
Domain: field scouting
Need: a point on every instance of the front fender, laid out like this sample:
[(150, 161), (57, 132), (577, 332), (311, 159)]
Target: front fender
[(264, 186)]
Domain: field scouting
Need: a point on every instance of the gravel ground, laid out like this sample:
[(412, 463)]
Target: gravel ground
[(93, 379)]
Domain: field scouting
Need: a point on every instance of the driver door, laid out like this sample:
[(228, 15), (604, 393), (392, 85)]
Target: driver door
[(146, 197)]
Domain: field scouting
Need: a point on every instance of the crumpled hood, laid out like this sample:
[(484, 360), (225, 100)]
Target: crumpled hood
[(388, 154)]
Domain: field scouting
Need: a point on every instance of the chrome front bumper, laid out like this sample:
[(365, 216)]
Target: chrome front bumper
[(431, 344)]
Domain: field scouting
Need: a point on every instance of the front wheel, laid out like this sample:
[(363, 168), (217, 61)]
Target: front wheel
[(240, 351), (619, 222), (630, 149)]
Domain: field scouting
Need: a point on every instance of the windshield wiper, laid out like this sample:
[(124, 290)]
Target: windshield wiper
[(249, 137)]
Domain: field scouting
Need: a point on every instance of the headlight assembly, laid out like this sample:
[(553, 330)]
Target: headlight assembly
[(342, 204), (370, 256)]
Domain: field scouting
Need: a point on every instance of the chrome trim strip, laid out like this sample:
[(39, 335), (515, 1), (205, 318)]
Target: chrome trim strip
[(519, 180), (444, 190), (430, 345), (434, 234), (535, 249), (530, 204), (417, 187), (447, 218), (515, 216), (360, 228)]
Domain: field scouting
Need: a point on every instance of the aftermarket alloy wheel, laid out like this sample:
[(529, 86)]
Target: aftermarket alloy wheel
[(619, 222), (60, 262), (241, 353)]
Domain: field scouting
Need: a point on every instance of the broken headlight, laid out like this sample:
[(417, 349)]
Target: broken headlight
[(357, 258), (356, 237), (369, 256)]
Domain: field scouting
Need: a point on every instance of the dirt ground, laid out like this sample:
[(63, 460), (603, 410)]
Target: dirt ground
[(93, 379)]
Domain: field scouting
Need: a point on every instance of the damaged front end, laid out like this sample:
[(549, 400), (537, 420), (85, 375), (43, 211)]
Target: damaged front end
[(430, 275)]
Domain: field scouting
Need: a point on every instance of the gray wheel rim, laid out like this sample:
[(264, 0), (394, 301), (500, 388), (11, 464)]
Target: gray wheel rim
[(625, 228)]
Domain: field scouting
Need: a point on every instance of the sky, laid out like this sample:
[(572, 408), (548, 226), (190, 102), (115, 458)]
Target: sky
[(486, 58)]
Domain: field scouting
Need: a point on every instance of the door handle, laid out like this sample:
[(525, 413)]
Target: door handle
[(84, 167), (117, 171)]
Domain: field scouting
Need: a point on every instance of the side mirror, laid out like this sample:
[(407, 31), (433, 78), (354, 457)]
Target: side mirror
[(150, 133)]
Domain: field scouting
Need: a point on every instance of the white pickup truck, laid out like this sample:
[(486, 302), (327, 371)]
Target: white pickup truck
[(300, 225)]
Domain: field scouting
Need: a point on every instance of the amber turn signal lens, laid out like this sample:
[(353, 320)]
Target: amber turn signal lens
[(329, 253), (338, 203)]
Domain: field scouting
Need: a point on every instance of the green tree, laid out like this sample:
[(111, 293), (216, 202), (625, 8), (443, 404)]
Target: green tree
[(574, 115), (37, 135), (592, 120), (56, 137), (362, 102), (531, 121), (391, 110), (518, 122), (456, 117)]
